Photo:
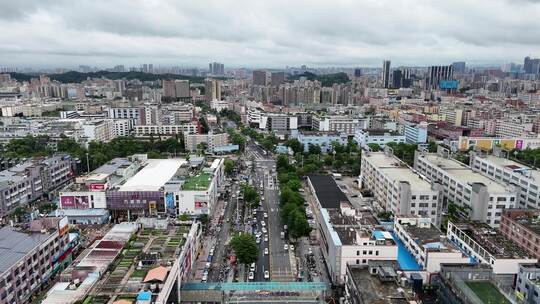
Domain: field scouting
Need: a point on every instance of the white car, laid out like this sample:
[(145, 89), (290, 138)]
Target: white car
[(264, 230), (265, 215), (266, 274), (266, 238), (204, 277), (263, 223), (291, 247), (251, 275), (252, 267), (258, 240), (286, 247), (310, 251), (266, 251)]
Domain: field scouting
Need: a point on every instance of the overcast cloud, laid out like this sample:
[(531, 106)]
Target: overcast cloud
[(270, 33)]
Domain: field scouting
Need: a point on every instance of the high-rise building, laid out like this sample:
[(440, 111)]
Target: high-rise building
[(397, 79), (459, 67), (357, 72), (212, 89), (177, 89), (278, 78), (436, 74), (259, 78), (216, 68), (531, 65), (386, 73)]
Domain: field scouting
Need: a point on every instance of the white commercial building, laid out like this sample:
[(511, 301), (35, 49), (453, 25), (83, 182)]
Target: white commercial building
[(415, 134), (479, 198), (427, 244), (525, 179), (398, 189), (507, 128), (488, 246), (197, 194)]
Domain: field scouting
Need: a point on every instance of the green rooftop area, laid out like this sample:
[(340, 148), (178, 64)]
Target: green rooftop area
[(487, 292), (200, 181)]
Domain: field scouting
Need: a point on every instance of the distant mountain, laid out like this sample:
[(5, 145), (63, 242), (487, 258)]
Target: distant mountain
[(77, 77), (327, 80)]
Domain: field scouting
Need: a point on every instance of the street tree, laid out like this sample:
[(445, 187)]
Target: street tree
[(245, 248)]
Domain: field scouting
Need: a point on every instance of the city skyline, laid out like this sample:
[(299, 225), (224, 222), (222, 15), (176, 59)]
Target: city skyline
[(362, 33)]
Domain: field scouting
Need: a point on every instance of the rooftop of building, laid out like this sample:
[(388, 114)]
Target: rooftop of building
[(528, 218), (362, 225), (492, 240), (376, 291), (514, 166), (397, 170), (200, 181), (463, 172), (327, 191), (381, 132), (15, 243), (320, 133), (153, 175)]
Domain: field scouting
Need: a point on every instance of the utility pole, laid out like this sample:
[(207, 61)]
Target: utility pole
[(87, 163)]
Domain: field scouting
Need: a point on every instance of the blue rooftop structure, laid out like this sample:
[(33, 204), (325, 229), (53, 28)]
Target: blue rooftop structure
[(405, 258), (144, 296)]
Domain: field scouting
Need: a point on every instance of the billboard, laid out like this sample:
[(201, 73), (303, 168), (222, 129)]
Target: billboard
[(97, 187), (74, 202), (169, 200), (63, 226), (201, 205)]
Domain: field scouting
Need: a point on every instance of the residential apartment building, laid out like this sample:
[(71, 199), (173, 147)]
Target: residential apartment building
[(427, 244), (487, 246), (212, 140), (167, 130), (480, 198), (101, 130), (278, 122), (506, 171), (131, 113), (176, 89), (397, 188), (364, 137), (30, 257), (348, 236), (36, 178), (212, 89), (453, 116), (122, 127), (523, 227), (341, 124)]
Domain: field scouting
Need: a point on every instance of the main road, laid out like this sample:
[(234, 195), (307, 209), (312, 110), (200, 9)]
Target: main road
[(279, 258)]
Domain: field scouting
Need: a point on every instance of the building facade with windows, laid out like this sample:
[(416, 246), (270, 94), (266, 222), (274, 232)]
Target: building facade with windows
[(478, 197)]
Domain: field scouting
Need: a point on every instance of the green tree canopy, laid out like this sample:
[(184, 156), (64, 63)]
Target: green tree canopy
[(245, 248)]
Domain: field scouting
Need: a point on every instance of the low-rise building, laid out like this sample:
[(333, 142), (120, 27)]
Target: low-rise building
[(488, 246), (33, 179), (321, 139), (30, 257), (397, 188), (101, 130), (426, 243), (528, 283), (364, 137), (415, 134), (377, 282), (212, 141), (480, 198), (341, 124), (523, 227), (165, 130), (347, 235)]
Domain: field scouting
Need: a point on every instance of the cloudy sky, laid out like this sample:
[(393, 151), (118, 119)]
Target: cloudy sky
[(269, 33)]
